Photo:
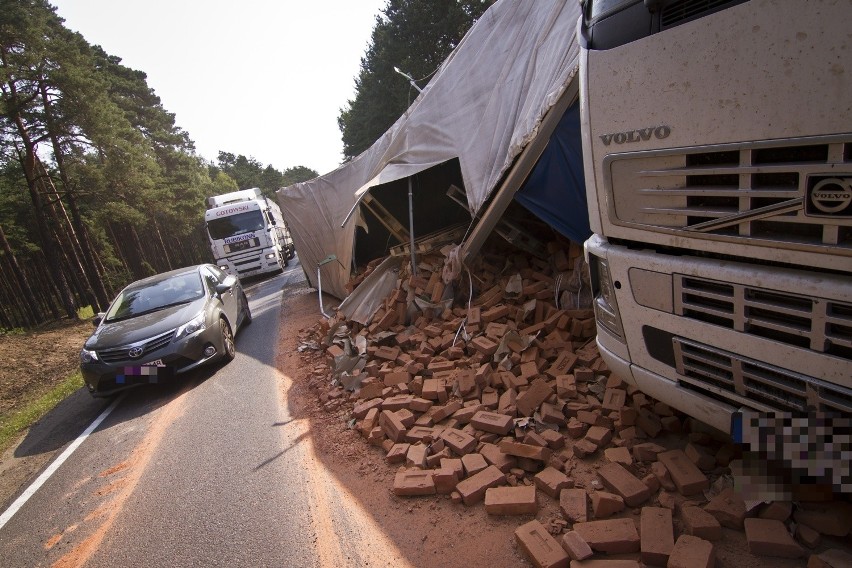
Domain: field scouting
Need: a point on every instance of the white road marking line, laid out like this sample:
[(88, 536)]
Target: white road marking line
[(51, 469)]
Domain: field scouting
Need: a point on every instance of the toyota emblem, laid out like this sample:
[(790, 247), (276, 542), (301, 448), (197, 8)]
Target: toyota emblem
[(135, 352)]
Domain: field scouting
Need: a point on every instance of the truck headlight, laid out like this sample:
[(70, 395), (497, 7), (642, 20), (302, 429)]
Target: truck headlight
[(194, 325), (270, 255), (224, 267), (606, 306)]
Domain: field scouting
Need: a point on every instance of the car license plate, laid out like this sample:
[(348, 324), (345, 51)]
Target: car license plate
[(157, 363)]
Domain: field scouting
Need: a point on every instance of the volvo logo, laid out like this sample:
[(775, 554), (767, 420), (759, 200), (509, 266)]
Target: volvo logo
[(830, 196), (641, 135), (135, 352)]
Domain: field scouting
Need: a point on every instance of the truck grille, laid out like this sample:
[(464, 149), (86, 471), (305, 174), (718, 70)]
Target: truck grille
[(119, 354), (682, 11), (756, 192), (823, 326), (743, 381)]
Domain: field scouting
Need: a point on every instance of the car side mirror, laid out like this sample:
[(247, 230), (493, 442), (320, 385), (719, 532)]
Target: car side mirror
[(96, 321), (221, 288)]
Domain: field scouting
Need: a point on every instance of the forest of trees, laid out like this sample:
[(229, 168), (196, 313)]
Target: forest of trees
[(98, 184)]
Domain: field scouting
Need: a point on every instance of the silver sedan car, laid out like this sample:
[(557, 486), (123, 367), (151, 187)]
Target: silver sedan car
[(162, 326)]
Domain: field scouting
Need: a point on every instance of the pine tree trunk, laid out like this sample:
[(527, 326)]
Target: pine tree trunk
[(23, 285)]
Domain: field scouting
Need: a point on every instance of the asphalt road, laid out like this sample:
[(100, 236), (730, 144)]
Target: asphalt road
[(208, 472)]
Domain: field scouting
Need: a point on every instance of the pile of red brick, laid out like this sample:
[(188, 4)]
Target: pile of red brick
[(503, 417)]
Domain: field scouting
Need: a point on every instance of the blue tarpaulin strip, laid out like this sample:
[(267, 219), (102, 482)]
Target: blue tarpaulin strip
[(555, 190)]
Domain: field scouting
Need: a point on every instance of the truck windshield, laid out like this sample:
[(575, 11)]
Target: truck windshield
[(238, 224)]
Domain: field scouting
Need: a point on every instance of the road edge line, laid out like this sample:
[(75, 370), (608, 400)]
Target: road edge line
[(51, 469)]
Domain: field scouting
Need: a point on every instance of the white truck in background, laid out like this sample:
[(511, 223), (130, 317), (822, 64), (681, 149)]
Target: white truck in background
[(248, 235), (717, 141)]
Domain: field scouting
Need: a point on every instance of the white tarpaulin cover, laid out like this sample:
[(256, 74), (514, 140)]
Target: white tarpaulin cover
[(483, 106)]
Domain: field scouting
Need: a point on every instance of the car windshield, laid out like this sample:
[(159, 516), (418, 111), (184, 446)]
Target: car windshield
[(135, 301)]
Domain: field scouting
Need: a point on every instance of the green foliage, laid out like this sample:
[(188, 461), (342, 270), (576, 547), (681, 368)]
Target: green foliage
[(248, 172), (415, 36)]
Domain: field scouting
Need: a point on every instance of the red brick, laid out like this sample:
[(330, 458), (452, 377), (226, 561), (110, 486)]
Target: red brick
[(619, 455), (387, 353), (483, 345), (460, 442), (574, 505), (551, 414), (511, 500), (395, 378), (533, 439), (492, 422), (397, 453), (729, 508), (554, 439), (529, 400), (466, 413), (768, 537), (605, 563), (606, 504), (361, 410), (494, 456), (657, 535), (422, 433), (441, 412), (416, 456), (778, 510), (662, 474), (685, 474), (698, 522), (473, 488), (808, 536), (445, 480), (624, 483), (833, 558), (552, 481), (525, 451), (542, 549), (566, 387), (613, 536), (455, 464), (700, 457), (563, 364), (583, 448), (692, 552), (647, 451), (599, 436), (392, 426), (832, 518), (576, 429), (413, 482), (614, 399), (473, 464), (575, 546), (649, 422)]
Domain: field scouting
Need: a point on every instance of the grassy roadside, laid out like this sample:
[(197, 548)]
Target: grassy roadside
[(17, 420)]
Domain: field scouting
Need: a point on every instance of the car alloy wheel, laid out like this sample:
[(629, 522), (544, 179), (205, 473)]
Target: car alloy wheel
[(229, 350)]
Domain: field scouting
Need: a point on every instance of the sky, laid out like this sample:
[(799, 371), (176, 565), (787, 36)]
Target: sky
[(262, 78)]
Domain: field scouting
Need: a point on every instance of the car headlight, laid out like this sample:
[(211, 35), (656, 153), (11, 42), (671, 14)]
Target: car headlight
[(192, 326), (87, 356)]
